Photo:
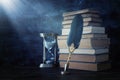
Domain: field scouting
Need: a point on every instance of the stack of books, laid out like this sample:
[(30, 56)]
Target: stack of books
[(93, 51)]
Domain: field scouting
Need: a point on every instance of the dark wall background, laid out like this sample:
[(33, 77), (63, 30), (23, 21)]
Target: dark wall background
[(20, 44)]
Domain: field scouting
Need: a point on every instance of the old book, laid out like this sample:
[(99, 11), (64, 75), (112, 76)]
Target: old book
[(87, 15), (90, 19), (87, 66), (86, 30), (67, 22), (85, 51), (92, 29), (67, 26), (80, 12), (87, 21), (68, 17), (93, 15), (88, 43), (94, 35), (85, 36), (86, 58), (92, 24)]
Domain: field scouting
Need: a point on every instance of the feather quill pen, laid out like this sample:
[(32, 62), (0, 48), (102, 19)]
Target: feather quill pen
[(74, 38)]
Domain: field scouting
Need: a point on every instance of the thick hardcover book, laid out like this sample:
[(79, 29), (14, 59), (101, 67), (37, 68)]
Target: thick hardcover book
[(80, 12), (85, 51), (86, 30), (87, 15), (86, 22), (67, 22), (88, 43), (87, 66), (90, 19), (101, 36), (93, 15), (86, 57), (68, 26)]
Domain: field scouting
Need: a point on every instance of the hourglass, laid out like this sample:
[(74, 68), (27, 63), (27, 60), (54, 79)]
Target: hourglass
[(49, 41)]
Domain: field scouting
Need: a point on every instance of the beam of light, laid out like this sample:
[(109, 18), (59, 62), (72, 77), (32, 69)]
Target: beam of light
[(8, 6), (6, 3), (28, 14), (13, 9)]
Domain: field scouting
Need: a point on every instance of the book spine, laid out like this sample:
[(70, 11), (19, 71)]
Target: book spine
[(88, 43), (86, 51), (87, 66), (86, 58), (80, 12)]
